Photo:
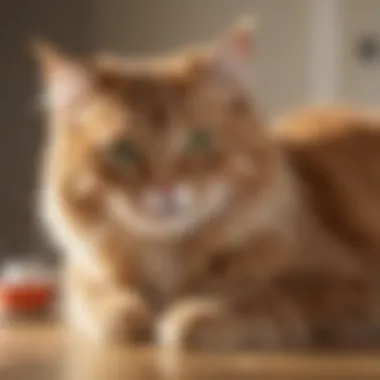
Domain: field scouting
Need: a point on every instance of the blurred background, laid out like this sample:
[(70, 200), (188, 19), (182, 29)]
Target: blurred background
[(308, 51)]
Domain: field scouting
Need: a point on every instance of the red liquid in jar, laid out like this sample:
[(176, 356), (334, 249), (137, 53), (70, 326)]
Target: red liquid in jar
[(25, 290)]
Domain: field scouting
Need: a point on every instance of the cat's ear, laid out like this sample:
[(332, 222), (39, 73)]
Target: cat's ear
[(65, 79), (233, 54)]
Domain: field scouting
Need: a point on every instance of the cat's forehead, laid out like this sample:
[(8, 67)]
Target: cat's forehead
[(164, 92), (145, 96), (149, 83)]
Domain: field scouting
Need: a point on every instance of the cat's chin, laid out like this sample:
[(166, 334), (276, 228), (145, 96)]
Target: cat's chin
[(122, 209)]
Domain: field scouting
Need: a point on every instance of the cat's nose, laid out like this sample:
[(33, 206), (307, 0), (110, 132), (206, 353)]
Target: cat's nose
[(165, 188)]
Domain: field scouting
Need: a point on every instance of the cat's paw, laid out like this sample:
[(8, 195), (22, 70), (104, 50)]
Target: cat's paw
[(127, 319), (118, 318), (179, 324)]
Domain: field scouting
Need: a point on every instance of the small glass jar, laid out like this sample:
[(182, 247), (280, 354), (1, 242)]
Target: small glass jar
[(27, 291)]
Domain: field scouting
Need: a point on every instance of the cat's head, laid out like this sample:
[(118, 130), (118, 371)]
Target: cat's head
[(170, 142)]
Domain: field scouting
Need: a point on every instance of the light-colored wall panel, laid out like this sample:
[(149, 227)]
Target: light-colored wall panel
[(360, 79)]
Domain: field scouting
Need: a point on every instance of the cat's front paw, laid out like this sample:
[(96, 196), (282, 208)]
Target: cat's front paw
[(115, 318), (127, 318), (179, 325)]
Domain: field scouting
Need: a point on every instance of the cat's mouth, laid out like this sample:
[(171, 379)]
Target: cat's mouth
[(170, 220)]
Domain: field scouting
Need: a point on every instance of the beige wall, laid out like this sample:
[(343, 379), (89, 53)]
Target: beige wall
[(282, 67)]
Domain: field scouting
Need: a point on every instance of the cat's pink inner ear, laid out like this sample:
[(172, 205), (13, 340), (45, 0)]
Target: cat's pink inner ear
[(239, 41), (234, 51), (65, 80), (48, 57)]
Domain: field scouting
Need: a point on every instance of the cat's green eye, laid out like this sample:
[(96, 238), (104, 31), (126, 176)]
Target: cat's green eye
[(123, 151), (200, 141)]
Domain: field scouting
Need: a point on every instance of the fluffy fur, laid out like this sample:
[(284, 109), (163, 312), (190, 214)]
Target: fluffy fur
[(177, 211)]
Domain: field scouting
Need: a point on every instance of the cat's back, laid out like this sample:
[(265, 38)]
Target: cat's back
[(335, 155), (326, 123)]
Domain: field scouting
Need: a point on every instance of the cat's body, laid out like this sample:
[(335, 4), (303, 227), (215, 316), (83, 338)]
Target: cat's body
[(178, 211), (326, 292), (334, 155)]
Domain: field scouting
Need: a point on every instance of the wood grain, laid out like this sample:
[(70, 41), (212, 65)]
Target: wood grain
[(51, 353)]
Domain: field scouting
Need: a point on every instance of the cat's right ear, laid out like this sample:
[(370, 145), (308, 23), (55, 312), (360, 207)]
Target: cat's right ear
[(233, 55), (65, 80)]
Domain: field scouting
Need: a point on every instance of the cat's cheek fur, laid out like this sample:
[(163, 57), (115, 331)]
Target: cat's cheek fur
[(76, 245)]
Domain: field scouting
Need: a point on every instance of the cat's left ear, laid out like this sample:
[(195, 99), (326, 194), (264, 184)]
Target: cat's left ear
[(66, 81), (233, 54)]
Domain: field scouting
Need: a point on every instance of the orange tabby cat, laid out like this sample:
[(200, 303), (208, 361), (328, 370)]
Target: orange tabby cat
[(178, 211)]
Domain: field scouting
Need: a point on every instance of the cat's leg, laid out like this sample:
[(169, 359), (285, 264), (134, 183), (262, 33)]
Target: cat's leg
[(343, 309), (105, 314), (101, 292), (106, 304), (219, 325)]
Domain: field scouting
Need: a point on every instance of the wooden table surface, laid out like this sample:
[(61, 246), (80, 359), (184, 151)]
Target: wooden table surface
[(50, 353)]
